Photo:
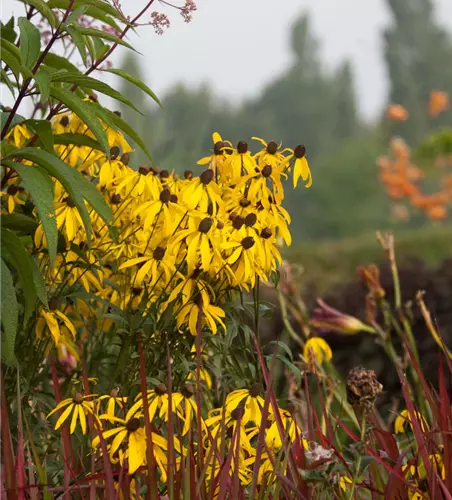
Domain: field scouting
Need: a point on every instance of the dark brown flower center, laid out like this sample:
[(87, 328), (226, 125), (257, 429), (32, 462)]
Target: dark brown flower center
[(125, 158), (255, 390), (232, 216), (267, 171), (248, 242), (174, 198), (12, 190), (299, 151), (69, 202), (54, 303), (266, 233), (272, 147), (144, 170), (188, 391), (237, 413), (220, 224), (164, 174), (188, 174), (242, 147), (133, 424), (218, 148), (158, 253), (165, 196), (238, 222), (116, 199), (64, 121), (205, 225), (206, 177), (250, 220), (78, 398), (114, 152), (136, 290), (114, 393), (161, 389), (244, 202)]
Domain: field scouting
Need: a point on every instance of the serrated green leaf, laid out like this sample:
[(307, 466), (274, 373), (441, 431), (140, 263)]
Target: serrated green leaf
[(92, 84), (43, 129), (135, 81), (116, 122), (30, 42), (85, 111), (44, 10), (77, 139), (10, 311), (41, 188), (42, 78), (20, 223), (14, 252)]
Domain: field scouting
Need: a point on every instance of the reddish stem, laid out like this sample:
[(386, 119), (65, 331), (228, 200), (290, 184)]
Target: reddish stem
[(8, 460)]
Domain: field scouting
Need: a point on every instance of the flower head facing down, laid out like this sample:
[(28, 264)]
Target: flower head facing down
[(317, 349), (326, 318)]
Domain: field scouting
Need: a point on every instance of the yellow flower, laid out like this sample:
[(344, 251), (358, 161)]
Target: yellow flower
[(301, 167), (14, 196), (157, 400), (270, 154), (20, 135), (405, 418), (291, 431), (113, 400), (201, 193), (69, 220), (54, 320), (317, 349), (79, 406), (250, 400), (239, 163), (344, 481), (216, 161)]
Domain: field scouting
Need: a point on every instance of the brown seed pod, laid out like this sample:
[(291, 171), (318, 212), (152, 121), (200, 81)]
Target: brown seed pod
[(248, 242), (272, 147), (205, 225), (299, 151), (242, 147), (158, 253)]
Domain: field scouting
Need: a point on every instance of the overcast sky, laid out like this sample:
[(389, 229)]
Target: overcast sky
[(226, 35)]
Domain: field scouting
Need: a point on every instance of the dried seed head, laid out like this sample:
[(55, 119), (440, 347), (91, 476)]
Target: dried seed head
[(206, 177), (272, 147), (144, 170), (12, 190), (188, 174), (248, 242), (238, 222), (125, 158), (114, 152), (165, 196), (299, 151), (218, 148), (133, 424), (363, 388), (78, 398), (54, 303), (250, 220), (115, 199), (245, 202), (267, 171), (69, 202), (164, 174), (242, 147), (220, 224), (266, 233), (188, 391), (205, 225), (64, 121), (237, 413), (158, 253), (161, 389), (255, 390)]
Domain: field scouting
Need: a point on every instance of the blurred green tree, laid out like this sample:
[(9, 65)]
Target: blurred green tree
[(418, 53)]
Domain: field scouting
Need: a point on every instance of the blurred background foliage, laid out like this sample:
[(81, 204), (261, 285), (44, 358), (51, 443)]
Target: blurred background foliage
[(316, 105)]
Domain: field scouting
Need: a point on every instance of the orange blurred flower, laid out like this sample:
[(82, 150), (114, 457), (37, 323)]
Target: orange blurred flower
[(437, 212), (439, 102), (397, 113)]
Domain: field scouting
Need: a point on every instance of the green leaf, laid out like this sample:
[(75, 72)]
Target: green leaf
[(106, 36), (75, 14), (4, 79), (43, 129), (30, 42), (10, 310), (101, 5), (135, 81), (4, 115), (93, 84), (17, 256), (58, 62), (42, 78), (11, 55), (20, 223), (100, 47), (116, 122), (85, 111), (7, 31), (44, 10), (77, 140), (40, 186)]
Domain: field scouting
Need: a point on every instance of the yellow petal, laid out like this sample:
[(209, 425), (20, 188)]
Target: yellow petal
[(82, 416), (63, 417), (74, 419)]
